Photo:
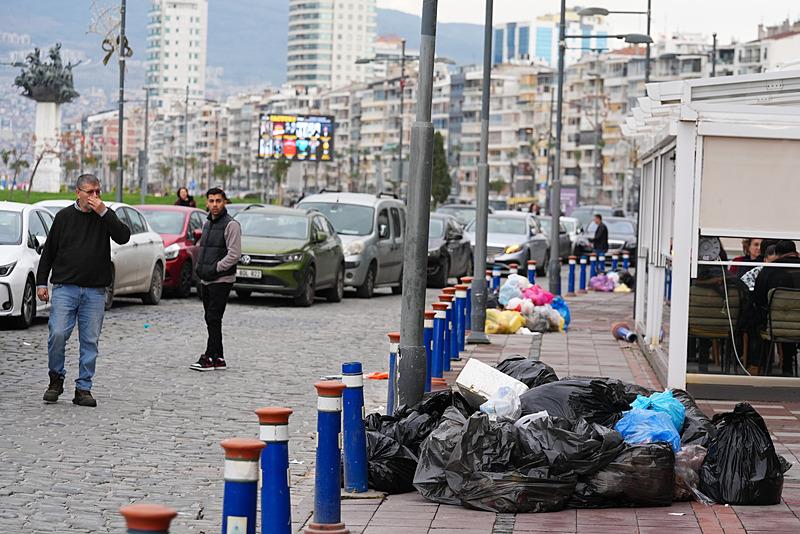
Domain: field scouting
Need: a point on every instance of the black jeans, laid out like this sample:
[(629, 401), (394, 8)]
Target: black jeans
[(215, 298)]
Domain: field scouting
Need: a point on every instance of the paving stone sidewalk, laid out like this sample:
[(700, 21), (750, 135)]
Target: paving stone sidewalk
[(588, 349)]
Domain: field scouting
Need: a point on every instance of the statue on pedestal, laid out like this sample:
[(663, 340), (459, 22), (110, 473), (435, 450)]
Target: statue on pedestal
[(47, 82)]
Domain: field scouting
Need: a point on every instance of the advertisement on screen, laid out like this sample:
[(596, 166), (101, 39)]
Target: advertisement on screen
[(296, 137)]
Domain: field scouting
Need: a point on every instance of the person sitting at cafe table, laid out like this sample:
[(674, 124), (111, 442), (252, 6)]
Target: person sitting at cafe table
[(752, 249)]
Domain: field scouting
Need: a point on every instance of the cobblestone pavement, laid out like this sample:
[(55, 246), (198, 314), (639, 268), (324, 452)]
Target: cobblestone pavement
[(156, 431)]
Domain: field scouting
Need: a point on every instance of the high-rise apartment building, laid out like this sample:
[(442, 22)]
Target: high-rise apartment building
[(177, 32), (326, 37)]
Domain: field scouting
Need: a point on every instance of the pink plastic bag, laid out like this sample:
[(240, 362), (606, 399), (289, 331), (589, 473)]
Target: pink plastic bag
[(537, 295)]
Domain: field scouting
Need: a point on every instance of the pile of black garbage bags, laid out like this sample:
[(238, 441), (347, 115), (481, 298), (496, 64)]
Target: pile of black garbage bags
[(572, 457)]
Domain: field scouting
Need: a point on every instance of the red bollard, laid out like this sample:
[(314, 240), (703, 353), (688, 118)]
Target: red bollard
[(150, 518)]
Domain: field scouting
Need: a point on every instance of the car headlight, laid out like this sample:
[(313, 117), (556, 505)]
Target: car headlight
[(354, 248), (513, 248), (292, 258), (171, 252), (5, 270)]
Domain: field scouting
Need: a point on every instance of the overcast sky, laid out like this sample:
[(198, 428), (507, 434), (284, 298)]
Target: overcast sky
[(736, 19)]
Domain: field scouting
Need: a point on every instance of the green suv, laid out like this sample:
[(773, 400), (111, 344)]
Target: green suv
[(289, 252)]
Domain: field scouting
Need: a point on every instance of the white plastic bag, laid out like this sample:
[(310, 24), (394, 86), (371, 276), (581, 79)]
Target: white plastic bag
[(523, 422), (504, 404)]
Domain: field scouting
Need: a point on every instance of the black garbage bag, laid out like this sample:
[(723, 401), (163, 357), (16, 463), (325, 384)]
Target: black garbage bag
[(641, 475), (741, 466), (484, 471), (697, 427), (631, 390), (597, 401), (571, 447), (430, 478), (529, 372), (390, 466), (627, 278)]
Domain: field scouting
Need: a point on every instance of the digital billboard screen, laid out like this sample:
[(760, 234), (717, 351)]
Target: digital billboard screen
[(296, 137)]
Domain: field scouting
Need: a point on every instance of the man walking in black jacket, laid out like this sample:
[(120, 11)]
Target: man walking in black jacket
[(220, 249), (78, 252), (600, 241)]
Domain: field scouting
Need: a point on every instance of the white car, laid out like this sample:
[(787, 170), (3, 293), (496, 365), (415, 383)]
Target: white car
[(23, 231), (138, 265)]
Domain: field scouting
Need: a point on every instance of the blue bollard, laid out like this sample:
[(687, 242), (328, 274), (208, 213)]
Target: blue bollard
[(601, 263), (241, 485), (461, 319), (592, 265), (571, 277), (355, 437), (614, 262), (468, 309), (439, 355), (276, 506), (147, 518), (532, 271), (394, 345), (427, 334), (451, 345), (626, 260), (327, 498), (582, 285), (496, 274), (513, 268)]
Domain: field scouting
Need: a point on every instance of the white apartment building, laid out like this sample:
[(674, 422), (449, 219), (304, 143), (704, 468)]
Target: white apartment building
[(177, 33), (326, 37)]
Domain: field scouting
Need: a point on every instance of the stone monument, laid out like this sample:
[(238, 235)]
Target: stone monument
[(50, 84)]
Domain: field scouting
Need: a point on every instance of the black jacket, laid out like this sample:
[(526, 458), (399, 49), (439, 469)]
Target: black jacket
[(212, 248), (600, 240), (770, 278)]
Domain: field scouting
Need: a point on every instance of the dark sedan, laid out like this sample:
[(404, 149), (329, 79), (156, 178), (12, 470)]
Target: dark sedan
[(449, 252), (621, 237)]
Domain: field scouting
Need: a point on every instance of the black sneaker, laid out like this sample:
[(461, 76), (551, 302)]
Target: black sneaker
[(219, 364), (83, 397), (203, 364), (55, 388)]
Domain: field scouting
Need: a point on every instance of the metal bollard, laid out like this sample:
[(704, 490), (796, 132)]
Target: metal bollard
[(241, 484), (461, 317), (513, 268), (532, 271), (571, 277), (626, 260), (582, 285), (427, 333), (394, 344), (438, 356), (355, 438), (623, 332), (327, 498), (614, 262), (467, 280), (592, 265), (141, 518), (668, 284), (451, 344), (601, 263), (496, 274), (276, 506)]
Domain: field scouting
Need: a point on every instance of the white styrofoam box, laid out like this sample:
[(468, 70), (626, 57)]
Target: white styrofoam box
[(478, 381)]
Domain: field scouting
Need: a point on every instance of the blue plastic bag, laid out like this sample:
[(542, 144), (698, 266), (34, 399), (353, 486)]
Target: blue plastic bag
[(663, 401), (508, 292), (648, 426), (560, 305)]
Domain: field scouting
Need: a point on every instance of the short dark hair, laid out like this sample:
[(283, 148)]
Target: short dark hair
[(216, 191), (785, 247), (86, 178), (598, 216), (770, 251)]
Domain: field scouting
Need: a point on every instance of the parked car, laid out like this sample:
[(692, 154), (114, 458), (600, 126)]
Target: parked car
[(289, 252), (514, 237), (573, 227), (23, 232), (586, 213), (372, 229), (449, 251), (621, 237), (465, 213), (180, 229), (138, 265), (233, 209), (564, 242)]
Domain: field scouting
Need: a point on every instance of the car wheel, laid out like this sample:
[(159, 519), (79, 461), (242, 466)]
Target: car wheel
[(153, 296), (243, 293), (109, 297), (366, 289), (336, 293), (28, 306), (440, 278), (306, 298), (185, 283)]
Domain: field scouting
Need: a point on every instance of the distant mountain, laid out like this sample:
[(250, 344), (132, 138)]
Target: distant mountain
[(246, 39)]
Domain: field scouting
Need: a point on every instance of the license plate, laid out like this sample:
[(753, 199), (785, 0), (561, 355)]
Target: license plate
[(248, 273)]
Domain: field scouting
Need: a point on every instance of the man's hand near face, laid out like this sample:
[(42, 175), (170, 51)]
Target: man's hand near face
[(96, 205)]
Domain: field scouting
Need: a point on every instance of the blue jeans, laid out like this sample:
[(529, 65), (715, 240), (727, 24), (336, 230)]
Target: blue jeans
[(68, 304)]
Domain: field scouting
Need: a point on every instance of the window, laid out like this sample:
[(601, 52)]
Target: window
[(136, 225), (383, 225), (196, 222), (36, 226), (47, 217), (396, 224)]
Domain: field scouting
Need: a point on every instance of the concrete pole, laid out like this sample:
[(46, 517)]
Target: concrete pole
[(411, 354), (478, 319), (714, 55), (402, 111), (121, 118), (186, 138), (598, 165), (554, 269)]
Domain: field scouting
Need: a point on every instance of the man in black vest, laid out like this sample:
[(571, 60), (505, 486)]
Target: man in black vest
[(220, 249)]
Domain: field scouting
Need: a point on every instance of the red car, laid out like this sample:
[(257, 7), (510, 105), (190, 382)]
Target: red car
[(180, 228)]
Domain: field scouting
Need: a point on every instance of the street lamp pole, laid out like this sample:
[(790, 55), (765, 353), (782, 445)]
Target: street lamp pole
[(554, 269), (647, 52), (145, 175), (411, 362), (186, 138), (478, 319), (402, 108), (120, 124), (714, 55)]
